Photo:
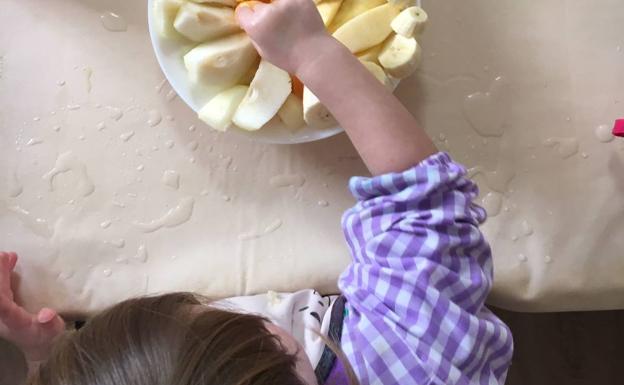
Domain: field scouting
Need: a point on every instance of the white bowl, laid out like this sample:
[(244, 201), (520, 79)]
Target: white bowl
[(169, 54)]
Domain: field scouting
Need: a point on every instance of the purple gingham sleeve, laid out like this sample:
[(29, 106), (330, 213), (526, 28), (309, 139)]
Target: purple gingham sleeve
[(420, 274)]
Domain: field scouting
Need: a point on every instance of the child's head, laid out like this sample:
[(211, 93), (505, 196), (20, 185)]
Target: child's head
[(174, 340)]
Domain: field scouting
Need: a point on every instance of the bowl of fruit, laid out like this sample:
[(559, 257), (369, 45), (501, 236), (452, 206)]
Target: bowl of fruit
[(214, 68)]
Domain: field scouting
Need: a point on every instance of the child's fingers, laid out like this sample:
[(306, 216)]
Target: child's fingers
[(13, 316), (5, 274), (46, 315), (50, 322), (12, 260)]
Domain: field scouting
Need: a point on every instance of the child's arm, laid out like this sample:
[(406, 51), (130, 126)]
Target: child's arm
[(32, 334), (290, 34)]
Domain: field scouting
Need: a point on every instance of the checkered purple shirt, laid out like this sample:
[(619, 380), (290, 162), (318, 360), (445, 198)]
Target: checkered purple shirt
[(420, 275)]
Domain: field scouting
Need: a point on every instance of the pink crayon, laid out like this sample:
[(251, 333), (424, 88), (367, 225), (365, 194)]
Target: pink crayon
[(618, 129)]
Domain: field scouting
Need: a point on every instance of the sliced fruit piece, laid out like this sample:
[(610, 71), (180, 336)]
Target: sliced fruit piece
[(291, 112), (400, 56), (371, 54), (379, 73), (403, 3), (410, 22), (315, 113), (218, 112), (351, 9), (165, 12), (221, 63), (266, 94), (229, 3), (368, 29), (297, 86), (328, 10), (200, 23)]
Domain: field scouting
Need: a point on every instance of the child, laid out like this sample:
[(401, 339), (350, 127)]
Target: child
[(412, 305)]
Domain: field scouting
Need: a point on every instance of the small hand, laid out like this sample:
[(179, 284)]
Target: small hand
[(283, 30), (33, 334)]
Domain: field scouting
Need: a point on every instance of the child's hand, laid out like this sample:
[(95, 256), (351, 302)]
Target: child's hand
[(283, 31), (33, 334)]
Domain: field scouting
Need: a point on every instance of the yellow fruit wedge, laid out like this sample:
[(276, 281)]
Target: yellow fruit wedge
[(218, 112), (165, 12), (291, 113), (371, 54), (351, 9), (328, 10), (368, 29)]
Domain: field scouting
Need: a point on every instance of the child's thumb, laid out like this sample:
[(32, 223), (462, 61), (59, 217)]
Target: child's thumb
[(244, 15)]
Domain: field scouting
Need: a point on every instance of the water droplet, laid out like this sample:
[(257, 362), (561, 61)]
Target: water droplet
[(161, 85), (272, 227), (38, 226), (36, 119), (492, 202), (566, 147), (527, 229), (522, 257), (118, 243), (169, 144), (14, 186), (488, 111), (126, 136), (584, 155), (81, 137), (154, 148), (603, 133), (497, 180), (154, 118), (121, 205), (568, 119), (227, 198), (174, 257), (204, 192), (177, 215), (140, 167), (131, 195), (169, 118), (191, 128), (514, 238), (65, 275), (73, 107), (548, 259), (323, 203), (68, 162), (442, 137), (56, 128), (171, 178), (113, 22), (60, 83), (34, 141), (107, 272), (141, 254), (171, 95), (287, 180), (105, 224), (193, 145), (115, 113)]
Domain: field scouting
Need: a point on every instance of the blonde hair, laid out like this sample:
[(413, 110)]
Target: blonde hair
[(165, 340)]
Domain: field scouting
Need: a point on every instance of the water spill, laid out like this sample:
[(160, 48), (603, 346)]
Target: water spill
[(566, 147), (154, 118), (141, 254), (497, 180), (287, 180), (171, 95), (323, 203), (88, 74), (38, 226), (177, 215), (492, 203), (271, 228), (73, 107), (171, 178), (488, 111), (68, 162), (161, 85), (105, 224), (34, 141), (192, 145), (603, 133), (527, 229), (118, 243), (115, 113), (126, 136), (14, 188), (113, 22)]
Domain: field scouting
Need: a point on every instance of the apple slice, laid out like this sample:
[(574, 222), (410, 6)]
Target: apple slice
[(368, 29), (328, 10), (315, 113), (227, 3), (410, 22), (221, 63), (379, 73), (401, 56), (165, 12), (218, 112), (291, 112), (351, 9), (371, 54), (198, 22), (266, 94)]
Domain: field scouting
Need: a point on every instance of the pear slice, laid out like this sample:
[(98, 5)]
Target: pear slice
[(266, 94), (328, 10), (291, 112), (221, 63), (351, 9), (227, 3), (401, 56), (410, 22), (368, 29), (371, 54), (379, 73), (165, 12), (315, 113), (199, 23), (218, 112)]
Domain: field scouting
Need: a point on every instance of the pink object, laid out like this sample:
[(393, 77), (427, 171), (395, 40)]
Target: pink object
[(618, 129)]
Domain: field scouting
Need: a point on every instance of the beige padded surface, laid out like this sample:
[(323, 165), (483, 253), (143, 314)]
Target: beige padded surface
[(561, 70)]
